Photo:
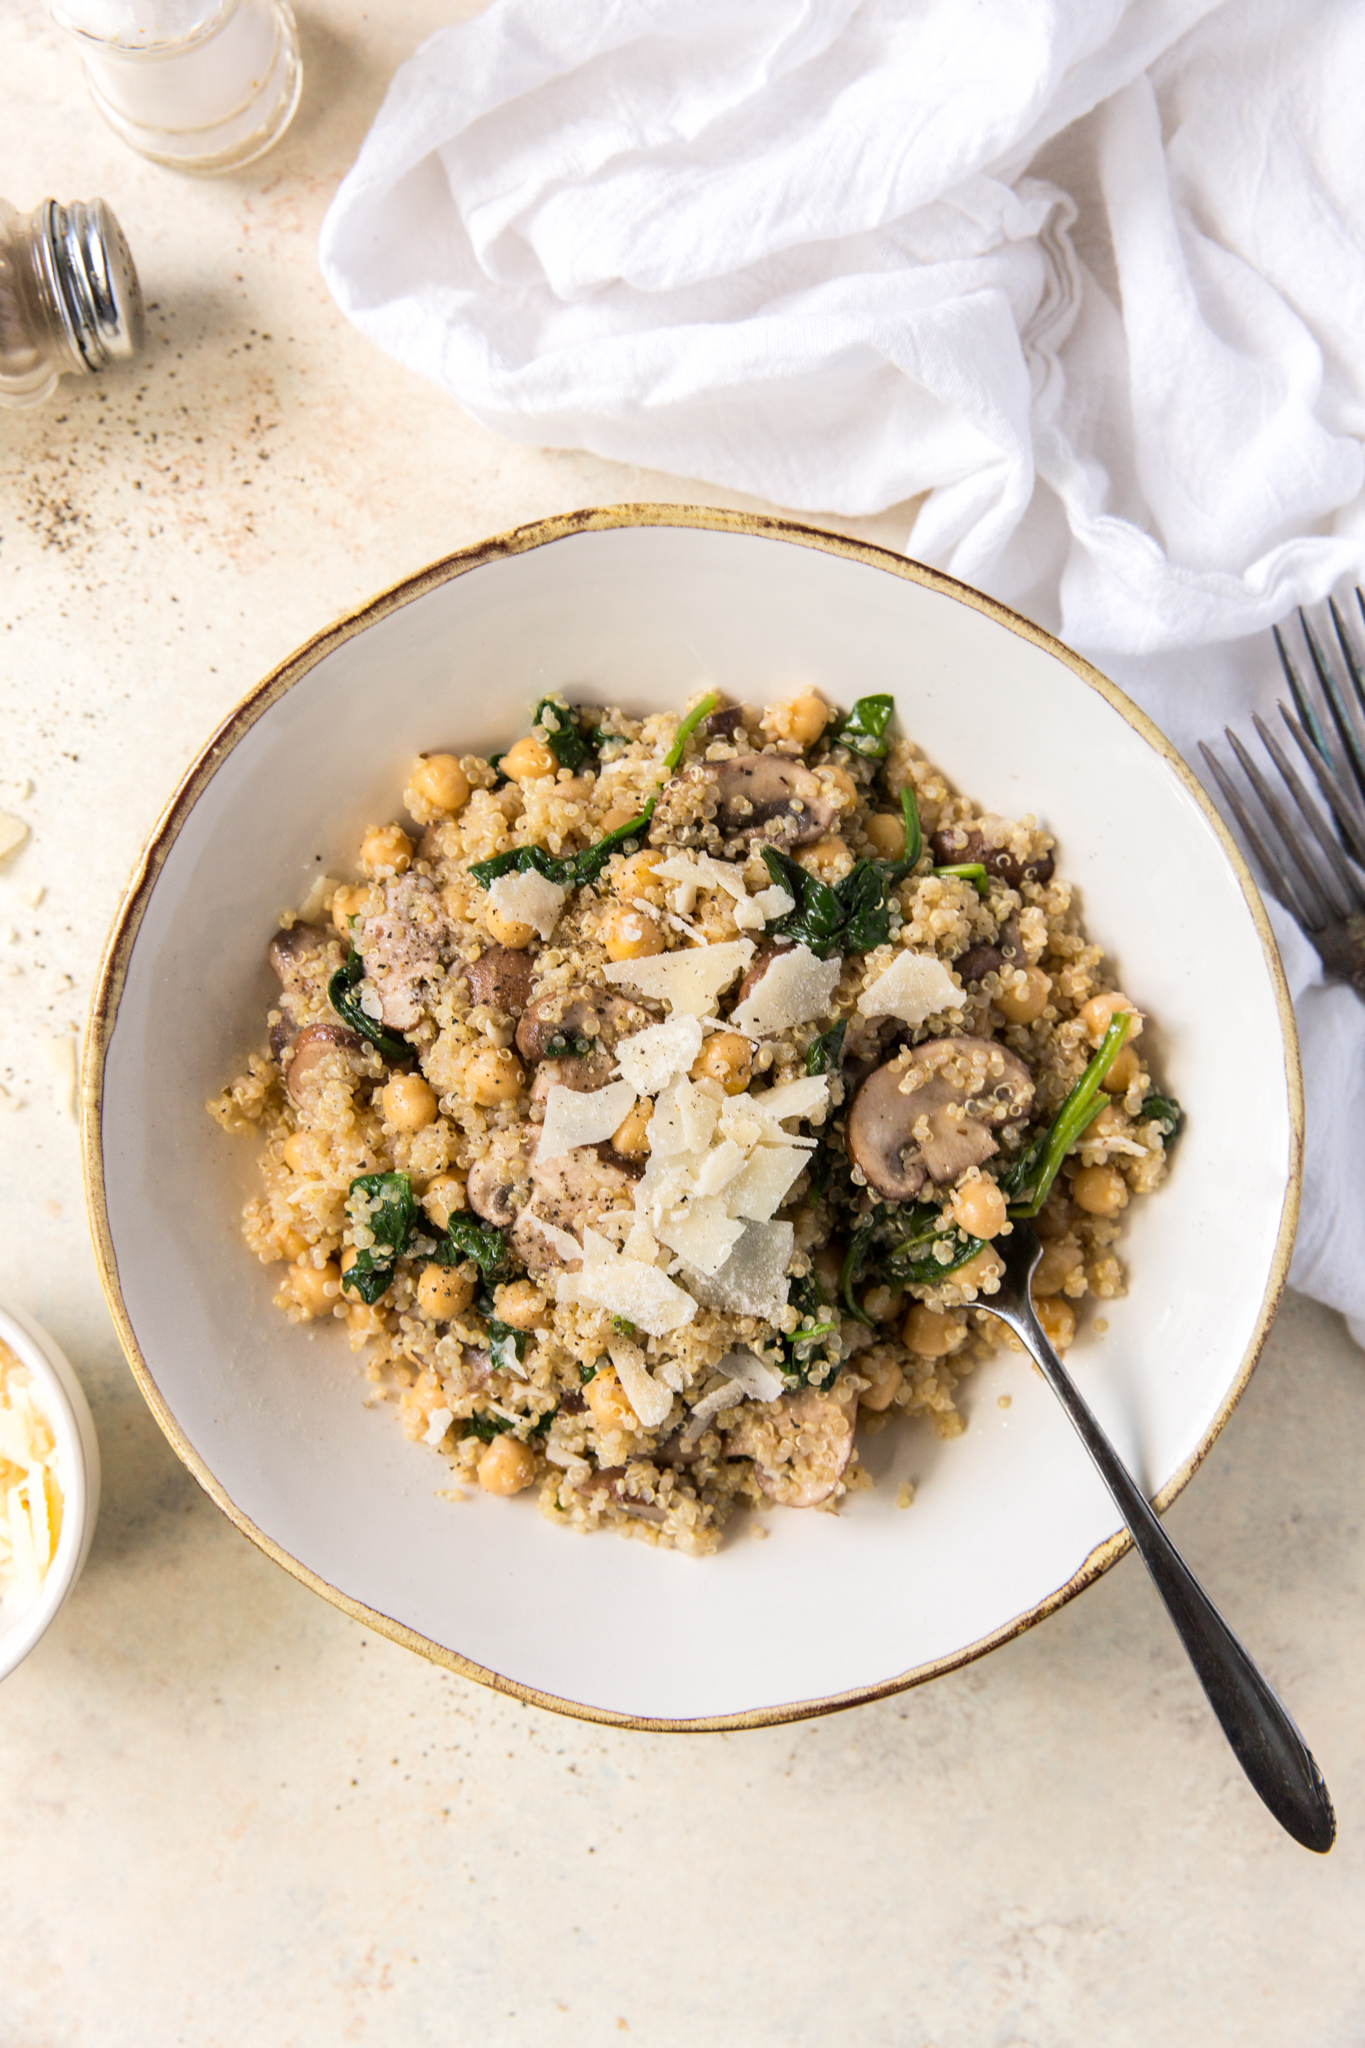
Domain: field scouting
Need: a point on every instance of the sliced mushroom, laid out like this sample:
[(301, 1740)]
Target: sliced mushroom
[(755, 796), (501, 978), (300, 957), (294, 946), (960, 845), (930, 1113), (725, 724), (499, 1181), (403, 946), (980, 960), (574, 1189), (800, 1443), (583, 1076), (577, 1013), (319, 1053), (611, 1481)]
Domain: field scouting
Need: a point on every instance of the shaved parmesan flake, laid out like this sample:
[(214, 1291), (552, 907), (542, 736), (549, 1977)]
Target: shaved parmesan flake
[(651, 1058), (774, 902), (758, 1380), (718, 1168), (13, 833), (690, 983), (702, 1234), (574, 1118), (567, 1247), (914, 987), (753, 1281), (760, 1190), (650, 1401), (795, 988), (728, 1396), (438, 1423), (801, 1097), (626, 1287), (528, 899)]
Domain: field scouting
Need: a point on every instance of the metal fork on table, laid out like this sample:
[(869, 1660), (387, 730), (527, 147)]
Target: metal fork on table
[(1316, 874)]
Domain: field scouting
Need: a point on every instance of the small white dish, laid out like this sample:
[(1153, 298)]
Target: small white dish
[(639, 605), (78, 1471)]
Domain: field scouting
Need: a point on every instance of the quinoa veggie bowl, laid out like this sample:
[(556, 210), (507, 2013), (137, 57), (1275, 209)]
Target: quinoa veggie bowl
[(648, 610)]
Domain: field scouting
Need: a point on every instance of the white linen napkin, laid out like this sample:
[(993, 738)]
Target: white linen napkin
[(1084, 277)]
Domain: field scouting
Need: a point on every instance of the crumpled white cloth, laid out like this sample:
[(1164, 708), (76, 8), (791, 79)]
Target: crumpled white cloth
[(1086, 278)]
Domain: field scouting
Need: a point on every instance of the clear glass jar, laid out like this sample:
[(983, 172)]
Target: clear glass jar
[(201, 85), (69, 296)]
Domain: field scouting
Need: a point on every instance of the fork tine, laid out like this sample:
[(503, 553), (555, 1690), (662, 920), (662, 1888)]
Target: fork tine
[(1306, 710), (1349, 814), (1313, 818), (1327, 682), (1276, 874), (1316, 894), (1354, 699)]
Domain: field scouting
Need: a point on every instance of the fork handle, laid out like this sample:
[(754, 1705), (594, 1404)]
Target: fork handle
[(1264, 1740), (1341, 949)]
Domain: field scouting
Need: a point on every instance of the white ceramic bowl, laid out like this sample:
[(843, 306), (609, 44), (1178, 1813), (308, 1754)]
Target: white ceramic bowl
[(78, 1471), (639, 605)]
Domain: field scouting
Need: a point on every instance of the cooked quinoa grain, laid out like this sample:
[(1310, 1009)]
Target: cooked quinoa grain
[(651, 1109)]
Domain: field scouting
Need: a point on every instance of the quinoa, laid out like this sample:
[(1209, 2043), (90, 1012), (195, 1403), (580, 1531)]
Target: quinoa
[(515, 1141)]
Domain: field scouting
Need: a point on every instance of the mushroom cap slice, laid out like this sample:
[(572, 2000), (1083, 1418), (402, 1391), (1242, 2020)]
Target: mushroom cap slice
[(932, 1111), (499, 1181), (578, 1013), (570, 1191), (320, 1052), (957, 845), (769, 797), (584, 1076), (501, 978)]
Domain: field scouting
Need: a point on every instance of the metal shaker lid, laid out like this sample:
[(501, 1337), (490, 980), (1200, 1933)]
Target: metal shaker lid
[(94, 281)]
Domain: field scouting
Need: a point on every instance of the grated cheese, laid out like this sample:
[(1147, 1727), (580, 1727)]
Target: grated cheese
[(700, 1232), (758, 1380), (626, 1287), (647, 1397), (690, 983), (437, 1425), (528, 899), (795, 987), (913, 987), (767, 1179), (574, 1117), (30, 1492), (651, 1058), (753, 1281)]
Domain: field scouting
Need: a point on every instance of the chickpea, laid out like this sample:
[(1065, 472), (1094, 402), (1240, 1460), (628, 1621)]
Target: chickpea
[(445, 1194), (304, 1152), (979, 1209), (1058, 1319), (1097, 1014), (408, 1103), (1123, 1073), (930, 1332), (1055, 1268), (883, 1304), (980, 1271), (630, 934), (506, 1466), (316, 1289), (725, 1057), (386, 849), (828, 858), (289, 1243), (527, 761), (802, 719), (631, 1138), (507, 931), (1099, 1190), (606, 1397), (886, 830), (617, 817), (364, 901), (491, 1075), (886, 1382), (842, 781), (635, 877), (363, 1321), (520, 1304), (440, 781), (442, 1291), (1024, 996)]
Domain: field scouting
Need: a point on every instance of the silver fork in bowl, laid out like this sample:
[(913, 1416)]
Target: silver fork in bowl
[(1315, 873), (1264, 1740)]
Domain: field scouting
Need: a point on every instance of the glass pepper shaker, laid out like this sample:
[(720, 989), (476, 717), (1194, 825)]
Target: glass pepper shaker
[(69, 296)]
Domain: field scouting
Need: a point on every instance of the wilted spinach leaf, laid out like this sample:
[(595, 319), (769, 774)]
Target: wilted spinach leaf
[(863, 729), (1167, 1111), (347, 1007), (565, 735), (824, 1055), (384, 1204), (466, 1238)]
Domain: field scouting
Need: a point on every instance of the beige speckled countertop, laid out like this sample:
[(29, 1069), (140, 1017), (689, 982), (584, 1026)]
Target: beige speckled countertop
[(228, 1815)]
